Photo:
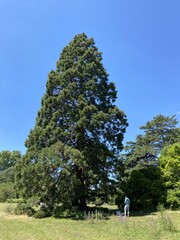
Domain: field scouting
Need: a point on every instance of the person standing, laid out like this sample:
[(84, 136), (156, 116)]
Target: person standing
[(126, 207)]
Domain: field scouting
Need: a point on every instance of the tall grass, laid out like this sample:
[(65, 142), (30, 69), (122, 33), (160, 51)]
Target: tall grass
[(165, 220), (93, 227)]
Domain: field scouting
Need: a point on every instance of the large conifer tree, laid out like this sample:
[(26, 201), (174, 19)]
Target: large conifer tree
[(78, 133)]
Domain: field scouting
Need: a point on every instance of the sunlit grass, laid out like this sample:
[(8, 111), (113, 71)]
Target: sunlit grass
[(147, 227)]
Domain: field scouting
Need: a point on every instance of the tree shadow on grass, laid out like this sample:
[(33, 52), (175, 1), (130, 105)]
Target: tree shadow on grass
[(91, 213), (142, 213), (100, 213)]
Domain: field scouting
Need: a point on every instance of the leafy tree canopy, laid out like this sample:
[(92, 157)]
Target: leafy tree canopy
[(7, 173), (7, 162), (169, 162)]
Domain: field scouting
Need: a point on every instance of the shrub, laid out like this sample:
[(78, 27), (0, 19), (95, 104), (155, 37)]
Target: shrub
[(30, 212), (62, 211), (33, 202), (10, 209), (20, 209), (41, 214), (23, 208)]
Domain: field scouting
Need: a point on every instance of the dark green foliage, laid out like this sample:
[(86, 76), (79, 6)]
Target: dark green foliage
[(70, 212), (139, 173), (161, 132), (74, 146), (119, 200), (41, 214), (158, 133), (145, 188), (30, 212)]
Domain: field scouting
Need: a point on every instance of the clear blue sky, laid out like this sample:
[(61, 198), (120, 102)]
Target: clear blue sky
[(140, 41)]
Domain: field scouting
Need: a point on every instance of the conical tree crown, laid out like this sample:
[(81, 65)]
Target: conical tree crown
[(79, 101), (77, 115)]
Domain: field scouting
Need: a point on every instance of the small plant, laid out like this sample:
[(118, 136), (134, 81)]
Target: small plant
[(23, 208), (41, 214), (9, 209), (30, 212), (93, 216), (165, 220)]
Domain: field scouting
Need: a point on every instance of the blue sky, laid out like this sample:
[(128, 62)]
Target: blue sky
[(140, 41)]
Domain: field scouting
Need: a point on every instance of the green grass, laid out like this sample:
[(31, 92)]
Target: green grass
[(147, 227)]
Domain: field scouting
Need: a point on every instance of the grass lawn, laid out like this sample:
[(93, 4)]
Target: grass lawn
[(148, 227)]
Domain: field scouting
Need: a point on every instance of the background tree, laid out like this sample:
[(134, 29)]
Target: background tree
[(169, 162), (141, 157), (79, 119), (7, 173), (161, 131), (145, 187)]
